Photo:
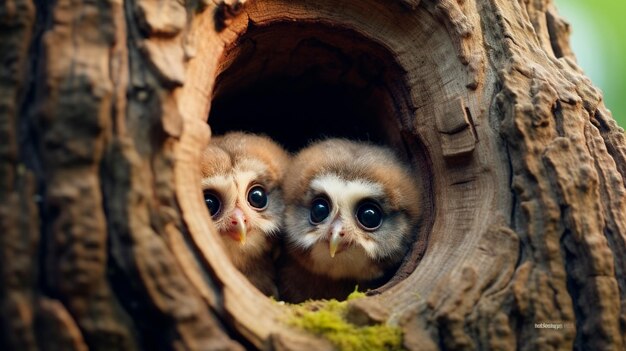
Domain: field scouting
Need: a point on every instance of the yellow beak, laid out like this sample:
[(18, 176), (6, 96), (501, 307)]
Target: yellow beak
[(335, 237), (241, 228)]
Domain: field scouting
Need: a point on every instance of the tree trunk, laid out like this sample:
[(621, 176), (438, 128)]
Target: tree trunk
[(105, 242)]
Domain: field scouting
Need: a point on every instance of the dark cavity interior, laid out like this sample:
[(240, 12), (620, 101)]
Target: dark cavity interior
[(303, 82)]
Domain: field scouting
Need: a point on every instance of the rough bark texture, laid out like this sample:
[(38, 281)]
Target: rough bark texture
[(105, 242)]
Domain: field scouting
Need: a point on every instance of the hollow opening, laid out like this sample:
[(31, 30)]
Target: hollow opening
[(301, 82)]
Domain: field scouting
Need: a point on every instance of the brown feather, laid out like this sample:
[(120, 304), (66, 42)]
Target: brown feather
[(371, 255), (230, 166)]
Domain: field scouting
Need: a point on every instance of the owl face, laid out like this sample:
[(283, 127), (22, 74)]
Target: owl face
[(354, 215), (241, 176), (244, 201)]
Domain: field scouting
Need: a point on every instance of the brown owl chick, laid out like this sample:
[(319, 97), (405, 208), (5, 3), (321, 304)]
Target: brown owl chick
[(350, 211), (241, 178)]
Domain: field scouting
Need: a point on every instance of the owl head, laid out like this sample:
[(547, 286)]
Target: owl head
[(351, 209), (241, 178)]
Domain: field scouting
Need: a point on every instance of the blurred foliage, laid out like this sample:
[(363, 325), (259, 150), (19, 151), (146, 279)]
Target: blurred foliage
[(599, 42)]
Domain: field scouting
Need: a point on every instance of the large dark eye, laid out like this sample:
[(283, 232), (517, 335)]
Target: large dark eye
[(257, 197), (320, 209), (369, 215), (212, 202)]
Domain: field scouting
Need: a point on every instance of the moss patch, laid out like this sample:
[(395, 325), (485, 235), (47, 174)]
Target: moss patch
[(326, 318)]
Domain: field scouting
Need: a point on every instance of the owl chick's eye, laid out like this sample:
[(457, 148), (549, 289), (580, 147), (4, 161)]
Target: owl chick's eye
[(212, 202), (257, 197), (369, 215), (320, 209)]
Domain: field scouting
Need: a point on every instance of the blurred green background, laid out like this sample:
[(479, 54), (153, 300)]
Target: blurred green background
[(599, 42)]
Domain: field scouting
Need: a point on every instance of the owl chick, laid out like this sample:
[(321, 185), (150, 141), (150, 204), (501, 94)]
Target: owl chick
[(241, 178), (350, 211)]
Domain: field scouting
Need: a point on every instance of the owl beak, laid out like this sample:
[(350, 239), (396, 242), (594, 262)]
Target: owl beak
[(239, 220), (335, 237)]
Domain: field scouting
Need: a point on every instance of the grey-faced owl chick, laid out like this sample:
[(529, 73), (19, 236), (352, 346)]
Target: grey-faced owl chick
[(241, 182), (351, 209)]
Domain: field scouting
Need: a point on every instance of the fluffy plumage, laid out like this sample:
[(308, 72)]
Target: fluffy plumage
[(241, 178), (351, 210)]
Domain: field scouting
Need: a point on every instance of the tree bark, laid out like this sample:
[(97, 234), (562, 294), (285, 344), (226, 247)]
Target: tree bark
[(105, 242)]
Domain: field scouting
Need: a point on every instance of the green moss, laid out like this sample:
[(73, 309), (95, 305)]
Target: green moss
[(356, 294), (327, 319)]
